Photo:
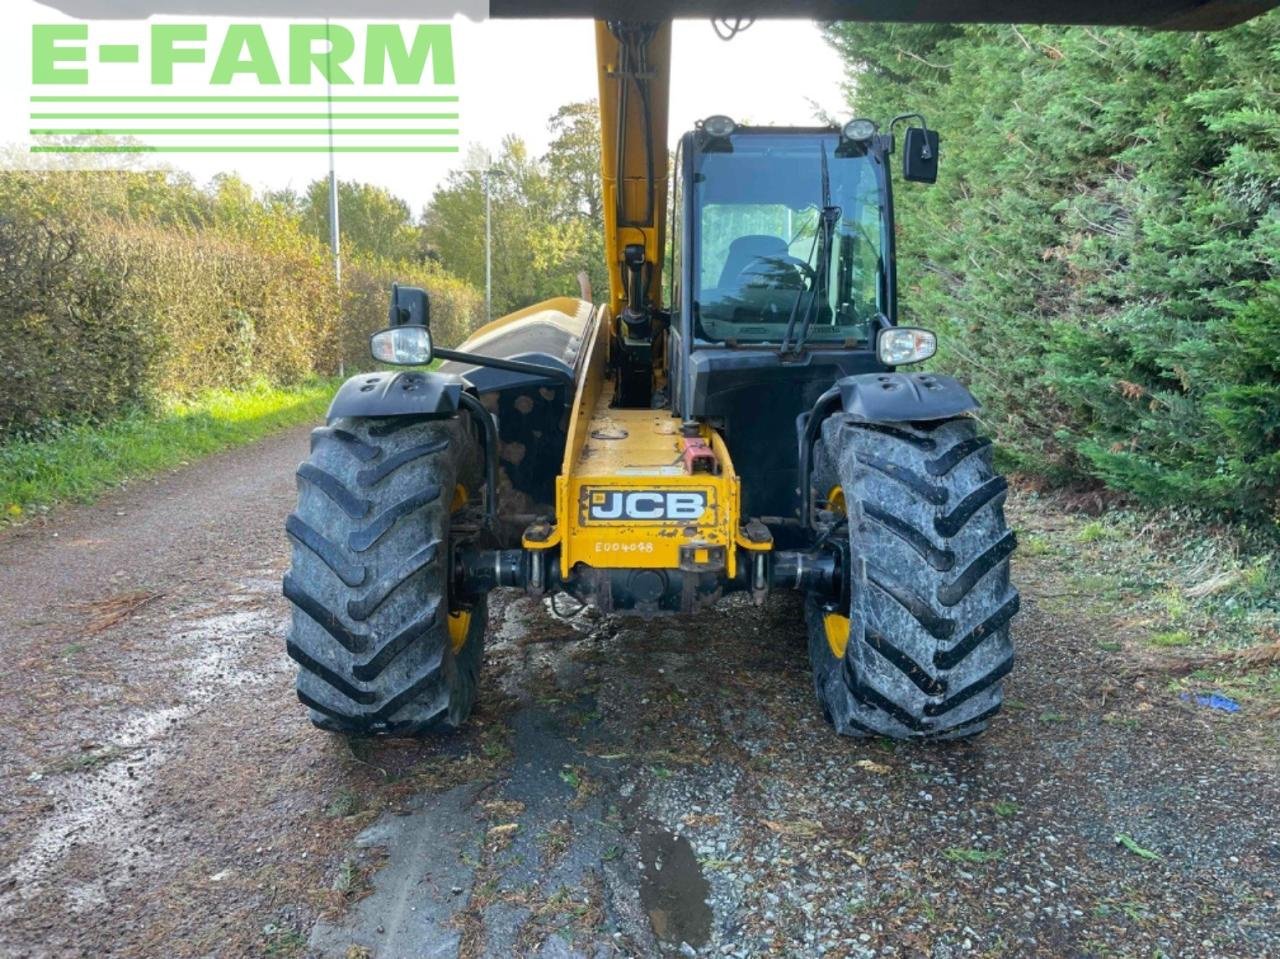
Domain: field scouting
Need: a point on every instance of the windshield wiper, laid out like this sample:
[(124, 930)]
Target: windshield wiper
[(795, 303), (822, 281), (827, 221)]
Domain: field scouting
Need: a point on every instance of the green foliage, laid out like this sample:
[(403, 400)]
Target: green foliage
[(573, 165), (573, 160), (70, 343), (372, 221), (546, 215), (118, 289), (1100, 253), (82, 460)]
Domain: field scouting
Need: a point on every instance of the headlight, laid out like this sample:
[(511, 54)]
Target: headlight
[(860, 129), (402, 345), (900, 345), (719, 126)]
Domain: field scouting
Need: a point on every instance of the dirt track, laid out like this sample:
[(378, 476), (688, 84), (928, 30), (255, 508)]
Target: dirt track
[(625, 788)]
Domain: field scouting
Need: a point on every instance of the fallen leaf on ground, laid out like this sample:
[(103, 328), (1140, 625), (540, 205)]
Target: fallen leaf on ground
[(109, 612), (1129, 843), (973, 856), (871, 766), (503, 808), (798, 828), (1266, 654), (1214, 584)]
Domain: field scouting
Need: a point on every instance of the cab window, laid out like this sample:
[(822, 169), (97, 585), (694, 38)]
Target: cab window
[(758, 215)]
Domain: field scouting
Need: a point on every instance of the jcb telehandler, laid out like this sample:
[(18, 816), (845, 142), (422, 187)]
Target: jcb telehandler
[(744, 426)]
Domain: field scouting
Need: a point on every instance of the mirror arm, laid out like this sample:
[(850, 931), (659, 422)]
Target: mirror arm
[(908, 116), (411, 306), (513, 366), (901, 118)]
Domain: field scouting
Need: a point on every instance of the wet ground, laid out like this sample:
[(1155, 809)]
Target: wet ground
[(625, 788)]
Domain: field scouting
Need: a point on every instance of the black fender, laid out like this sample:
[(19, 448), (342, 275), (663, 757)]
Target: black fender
[(403, 393), (430, 395), (904, 397), (877, 398)]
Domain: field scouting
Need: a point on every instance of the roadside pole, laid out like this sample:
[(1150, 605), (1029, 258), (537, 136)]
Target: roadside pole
[(488, 249), (335, 234), (488, 174)]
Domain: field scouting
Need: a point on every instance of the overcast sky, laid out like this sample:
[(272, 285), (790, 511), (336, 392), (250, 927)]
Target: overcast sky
[(511, 76)]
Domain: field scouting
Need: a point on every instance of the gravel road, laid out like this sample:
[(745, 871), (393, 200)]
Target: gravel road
[(625, 788)]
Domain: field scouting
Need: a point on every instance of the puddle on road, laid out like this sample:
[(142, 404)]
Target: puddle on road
[(106, 808), (102, 808), (226, 639), (673, 890)]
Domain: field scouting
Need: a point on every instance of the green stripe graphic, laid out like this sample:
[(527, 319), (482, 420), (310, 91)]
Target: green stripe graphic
[(244, 116), (242, 149), (98, 123), (245, 99), (233, 133)]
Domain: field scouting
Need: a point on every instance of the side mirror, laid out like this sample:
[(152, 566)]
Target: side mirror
[(409, 307), (402, 346), (920, 155)]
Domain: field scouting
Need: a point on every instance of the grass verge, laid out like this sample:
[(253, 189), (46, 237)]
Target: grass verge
[(1193, 604), (80, 462)]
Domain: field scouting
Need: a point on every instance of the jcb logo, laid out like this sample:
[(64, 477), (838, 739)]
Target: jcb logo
[(614, 505)]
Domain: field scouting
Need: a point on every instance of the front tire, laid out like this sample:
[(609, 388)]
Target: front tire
[(921, 648), (380, 645)]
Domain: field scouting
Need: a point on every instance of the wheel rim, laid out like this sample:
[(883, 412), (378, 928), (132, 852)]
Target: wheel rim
[(460, 498), (459, 620), (835, 501), (459, 627), (836, 627)]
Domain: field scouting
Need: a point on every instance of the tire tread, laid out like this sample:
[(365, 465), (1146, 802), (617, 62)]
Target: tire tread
[(930, 600), (368, 580)]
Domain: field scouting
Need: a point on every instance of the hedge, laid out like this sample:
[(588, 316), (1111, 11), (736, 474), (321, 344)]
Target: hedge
[(1101, 253), (119, 288)]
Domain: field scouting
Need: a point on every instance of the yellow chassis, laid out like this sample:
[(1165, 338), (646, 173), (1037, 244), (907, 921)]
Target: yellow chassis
[(614, 453)]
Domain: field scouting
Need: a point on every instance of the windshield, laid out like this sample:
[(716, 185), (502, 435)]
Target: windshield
[(757, 218)]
